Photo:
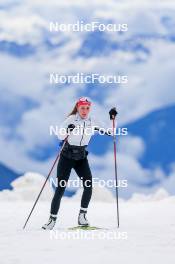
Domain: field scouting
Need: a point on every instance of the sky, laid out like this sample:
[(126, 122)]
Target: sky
[(29, 104)]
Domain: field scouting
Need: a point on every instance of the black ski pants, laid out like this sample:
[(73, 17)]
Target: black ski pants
[(64, 168)]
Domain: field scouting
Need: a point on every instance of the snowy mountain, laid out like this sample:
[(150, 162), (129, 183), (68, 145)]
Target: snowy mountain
[(7, 176), (28, 186)]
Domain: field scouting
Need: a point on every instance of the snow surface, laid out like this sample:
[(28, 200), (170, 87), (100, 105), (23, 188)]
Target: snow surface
[(146, 231)]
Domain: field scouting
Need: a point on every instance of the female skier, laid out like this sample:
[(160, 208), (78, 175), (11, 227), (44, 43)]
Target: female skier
[(74, 155)]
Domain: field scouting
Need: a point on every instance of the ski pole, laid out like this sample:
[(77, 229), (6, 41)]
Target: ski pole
[(112, 117), (98, 129), (45, 183)]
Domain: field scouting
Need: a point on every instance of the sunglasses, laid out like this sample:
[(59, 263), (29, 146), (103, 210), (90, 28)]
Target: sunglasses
[(84, 99)]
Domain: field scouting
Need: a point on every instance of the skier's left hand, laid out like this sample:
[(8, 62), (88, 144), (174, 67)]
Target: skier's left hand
[(112, 113)]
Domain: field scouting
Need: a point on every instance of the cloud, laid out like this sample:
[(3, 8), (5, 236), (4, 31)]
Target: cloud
[(151, 77), (139, 179), (132, 146)]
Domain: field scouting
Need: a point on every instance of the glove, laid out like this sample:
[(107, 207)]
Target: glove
[(113, 113), (70, 128)]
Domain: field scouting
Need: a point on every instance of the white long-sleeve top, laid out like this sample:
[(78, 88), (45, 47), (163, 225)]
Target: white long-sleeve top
[(83, 131)]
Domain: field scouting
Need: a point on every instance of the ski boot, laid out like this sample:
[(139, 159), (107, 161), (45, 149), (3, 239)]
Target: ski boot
[(50, 224), (82, 220)]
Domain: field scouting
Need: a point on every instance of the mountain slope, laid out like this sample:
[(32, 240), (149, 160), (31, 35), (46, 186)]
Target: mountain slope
[(7, 175)]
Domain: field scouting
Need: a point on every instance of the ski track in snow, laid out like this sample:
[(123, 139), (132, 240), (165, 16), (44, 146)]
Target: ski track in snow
[(149, 225)]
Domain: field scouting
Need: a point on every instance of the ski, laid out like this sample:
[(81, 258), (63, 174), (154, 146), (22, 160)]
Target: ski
[(85, 228)]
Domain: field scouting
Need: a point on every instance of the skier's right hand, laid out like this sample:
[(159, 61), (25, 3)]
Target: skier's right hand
[(70, 128)]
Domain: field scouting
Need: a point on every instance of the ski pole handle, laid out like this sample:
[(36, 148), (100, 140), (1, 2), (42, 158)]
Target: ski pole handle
[(112, 113)]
